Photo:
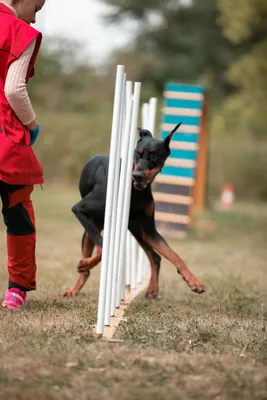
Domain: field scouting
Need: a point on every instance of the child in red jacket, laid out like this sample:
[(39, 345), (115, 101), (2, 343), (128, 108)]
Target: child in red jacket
[(19, 167)]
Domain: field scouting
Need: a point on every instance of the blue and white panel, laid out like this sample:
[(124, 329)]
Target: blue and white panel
[(182, 103)]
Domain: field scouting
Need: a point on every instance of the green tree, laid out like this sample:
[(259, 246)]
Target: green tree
[(177, 41), (244, 22), (64, 81)]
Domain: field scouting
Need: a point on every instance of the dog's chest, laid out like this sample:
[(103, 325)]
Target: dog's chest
[(140, 201)]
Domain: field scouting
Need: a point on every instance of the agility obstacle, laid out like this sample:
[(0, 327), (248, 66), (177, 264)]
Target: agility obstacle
[(180, 188), (121, 269)]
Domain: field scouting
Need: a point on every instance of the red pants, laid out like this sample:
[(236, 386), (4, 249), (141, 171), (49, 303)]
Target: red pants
[(21, 236)]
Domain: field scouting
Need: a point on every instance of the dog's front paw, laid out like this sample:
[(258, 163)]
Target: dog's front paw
[(70, 293), (194, 284), (152, 292)]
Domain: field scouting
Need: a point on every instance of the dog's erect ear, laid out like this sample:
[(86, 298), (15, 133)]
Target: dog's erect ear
[(169, 137), (144, 132)]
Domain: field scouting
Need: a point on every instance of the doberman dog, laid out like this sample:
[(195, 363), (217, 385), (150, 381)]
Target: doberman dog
[(149, 158)]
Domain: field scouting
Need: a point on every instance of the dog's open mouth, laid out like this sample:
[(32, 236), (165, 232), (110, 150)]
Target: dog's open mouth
[(139, 185)]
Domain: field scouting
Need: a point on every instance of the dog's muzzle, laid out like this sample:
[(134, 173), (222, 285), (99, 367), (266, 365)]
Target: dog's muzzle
[(139, 186), (138, 179)]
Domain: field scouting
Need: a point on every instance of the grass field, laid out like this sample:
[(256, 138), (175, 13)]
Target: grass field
[(180, 346)]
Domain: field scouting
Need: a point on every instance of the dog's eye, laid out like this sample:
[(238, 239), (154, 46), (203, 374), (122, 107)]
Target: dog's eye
[(153, 156)]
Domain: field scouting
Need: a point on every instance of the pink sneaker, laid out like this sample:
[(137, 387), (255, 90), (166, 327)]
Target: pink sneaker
[(14, 298)]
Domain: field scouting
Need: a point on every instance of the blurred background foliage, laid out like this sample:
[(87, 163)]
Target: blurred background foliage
[(222, 45)]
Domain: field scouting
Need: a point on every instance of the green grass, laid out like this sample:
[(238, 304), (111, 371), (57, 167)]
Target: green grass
[(180, 346)]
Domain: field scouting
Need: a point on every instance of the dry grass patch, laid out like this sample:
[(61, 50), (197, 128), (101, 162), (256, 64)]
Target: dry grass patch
[(181, 346)]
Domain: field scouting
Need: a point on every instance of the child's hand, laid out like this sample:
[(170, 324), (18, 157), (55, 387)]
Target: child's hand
[(34, 134)]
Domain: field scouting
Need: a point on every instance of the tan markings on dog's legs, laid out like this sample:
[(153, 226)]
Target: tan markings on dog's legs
[(87, 250), (162, 248), (87, 264), (153, 287)]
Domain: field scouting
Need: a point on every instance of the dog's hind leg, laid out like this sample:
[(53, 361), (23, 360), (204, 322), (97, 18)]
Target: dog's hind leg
[(88, 261), (87, 250), (86, 211), (154, 258), (89, 210)]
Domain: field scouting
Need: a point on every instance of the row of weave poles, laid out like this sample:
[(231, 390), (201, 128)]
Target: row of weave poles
[(124, 263)]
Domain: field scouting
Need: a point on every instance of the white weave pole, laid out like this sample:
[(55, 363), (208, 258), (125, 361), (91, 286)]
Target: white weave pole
[(145, 115), (121, 195), (123, 285), (128, 259), (133, 262), (149, 111), (126, 282), (127, 273), (135, 275), (137, 260), (141, 253), (115, 208), (128, 238), (109, 199), (152, 113), (128, 187)]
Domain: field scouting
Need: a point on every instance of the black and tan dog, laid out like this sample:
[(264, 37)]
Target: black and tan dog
[(150, 156)]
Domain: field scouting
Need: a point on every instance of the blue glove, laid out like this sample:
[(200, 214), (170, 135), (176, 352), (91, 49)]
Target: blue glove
[(34, 134)]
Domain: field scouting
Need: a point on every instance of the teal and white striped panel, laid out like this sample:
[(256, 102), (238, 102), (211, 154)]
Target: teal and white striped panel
[(182, 103)]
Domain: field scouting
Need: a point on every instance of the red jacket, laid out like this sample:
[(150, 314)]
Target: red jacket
[(18, 163)]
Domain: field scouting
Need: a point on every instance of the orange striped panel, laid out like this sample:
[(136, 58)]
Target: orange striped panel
[(171, 198), (174, 218), (174, 180)]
